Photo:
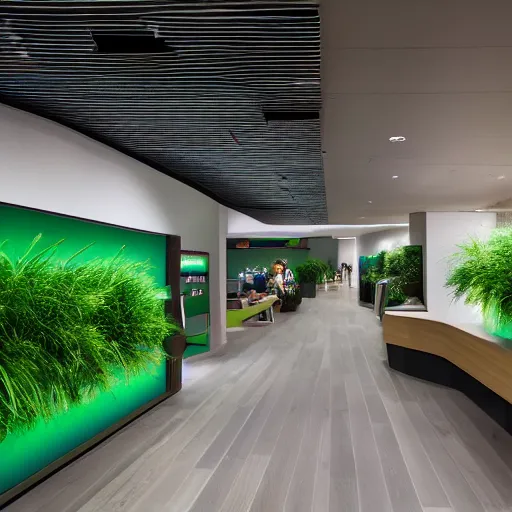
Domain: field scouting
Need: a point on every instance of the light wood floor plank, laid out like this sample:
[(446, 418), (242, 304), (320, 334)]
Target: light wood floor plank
[(457, 488), (372, 490)]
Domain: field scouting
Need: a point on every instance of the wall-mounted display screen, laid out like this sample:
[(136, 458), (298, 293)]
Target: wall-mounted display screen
[(196, 301)]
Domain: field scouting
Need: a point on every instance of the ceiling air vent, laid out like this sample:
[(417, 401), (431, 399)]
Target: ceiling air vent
[(129, 42), (291, 115)]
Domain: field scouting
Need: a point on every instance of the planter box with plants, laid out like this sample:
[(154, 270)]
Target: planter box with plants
[(481, 275), (309, 274), (291, 300), (403, 267)]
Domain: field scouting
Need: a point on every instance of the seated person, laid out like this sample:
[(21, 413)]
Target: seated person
[(251, 294)]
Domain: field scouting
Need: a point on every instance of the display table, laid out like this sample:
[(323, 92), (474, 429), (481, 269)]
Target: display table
[(461, 356), (236, 317)]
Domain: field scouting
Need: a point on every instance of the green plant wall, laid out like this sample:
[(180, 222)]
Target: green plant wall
[(481, 275), (240, 259), (403, 264), (23, 454)]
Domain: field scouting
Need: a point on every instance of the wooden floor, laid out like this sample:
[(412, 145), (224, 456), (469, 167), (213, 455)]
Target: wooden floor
[(300, 416)]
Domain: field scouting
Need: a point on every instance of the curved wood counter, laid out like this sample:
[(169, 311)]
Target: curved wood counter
[(463, 357)]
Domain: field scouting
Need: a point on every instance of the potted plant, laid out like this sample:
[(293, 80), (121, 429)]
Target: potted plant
[(481, 273), (291, 300), (309, 274), (176, 342)]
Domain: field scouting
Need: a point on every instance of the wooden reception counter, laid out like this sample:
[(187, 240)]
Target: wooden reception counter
[(462, 356)]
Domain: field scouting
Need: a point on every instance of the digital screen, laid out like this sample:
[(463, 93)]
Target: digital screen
[(194, 265)]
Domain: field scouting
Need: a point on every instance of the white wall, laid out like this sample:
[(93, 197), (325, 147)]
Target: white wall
[(373, 243), (47, 166), (347, 253), (444, 231), (325, 249)]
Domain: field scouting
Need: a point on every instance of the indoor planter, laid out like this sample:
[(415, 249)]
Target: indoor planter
[(291, 300), (175, 345), (309, 274), (481, 273)]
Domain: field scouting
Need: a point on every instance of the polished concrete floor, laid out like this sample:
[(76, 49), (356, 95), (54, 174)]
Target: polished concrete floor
[(303, 415)]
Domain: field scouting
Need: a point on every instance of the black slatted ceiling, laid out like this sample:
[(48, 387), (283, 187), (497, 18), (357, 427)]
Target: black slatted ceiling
[(196, 108)]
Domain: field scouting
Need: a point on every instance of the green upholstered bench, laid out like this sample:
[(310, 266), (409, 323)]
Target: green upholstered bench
[(236, 317)]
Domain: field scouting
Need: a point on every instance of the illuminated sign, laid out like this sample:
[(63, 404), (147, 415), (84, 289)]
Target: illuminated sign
[(194, 264)]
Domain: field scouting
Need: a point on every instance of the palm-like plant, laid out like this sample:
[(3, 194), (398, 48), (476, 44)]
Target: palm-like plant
[(65, 328), (481, 273)]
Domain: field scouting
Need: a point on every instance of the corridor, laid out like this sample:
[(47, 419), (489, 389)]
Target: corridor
[(301, 416)]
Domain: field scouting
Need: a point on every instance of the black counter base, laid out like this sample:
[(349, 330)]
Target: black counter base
[(436, 369)]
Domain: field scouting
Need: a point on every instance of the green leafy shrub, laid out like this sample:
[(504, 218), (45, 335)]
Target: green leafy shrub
[(372, 268), (66, 327), (330, 273), (482, 273), (311, 271), (404, 266)]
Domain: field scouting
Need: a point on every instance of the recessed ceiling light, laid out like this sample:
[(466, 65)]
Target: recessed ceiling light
[(362, 217), (500, 177), (394, 177), (370, 202), (399, 138)]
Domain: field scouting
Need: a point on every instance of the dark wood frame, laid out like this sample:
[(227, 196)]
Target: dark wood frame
[(173, 367)]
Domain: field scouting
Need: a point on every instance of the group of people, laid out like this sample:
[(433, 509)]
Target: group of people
[(276, 283)]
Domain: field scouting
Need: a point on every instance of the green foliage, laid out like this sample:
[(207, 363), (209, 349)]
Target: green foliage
[(330, 273), (403, 265), (65, 328), (372, 268), (311, 271), (482, 273)]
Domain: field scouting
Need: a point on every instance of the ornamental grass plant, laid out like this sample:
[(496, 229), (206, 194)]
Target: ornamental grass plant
[(65, 328), (481, 274)]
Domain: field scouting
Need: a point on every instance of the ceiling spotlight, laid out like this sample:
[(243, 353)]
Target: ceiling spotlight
[(400, 138), (394, 177), (500, 177), (370, 202), (362, 217)]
